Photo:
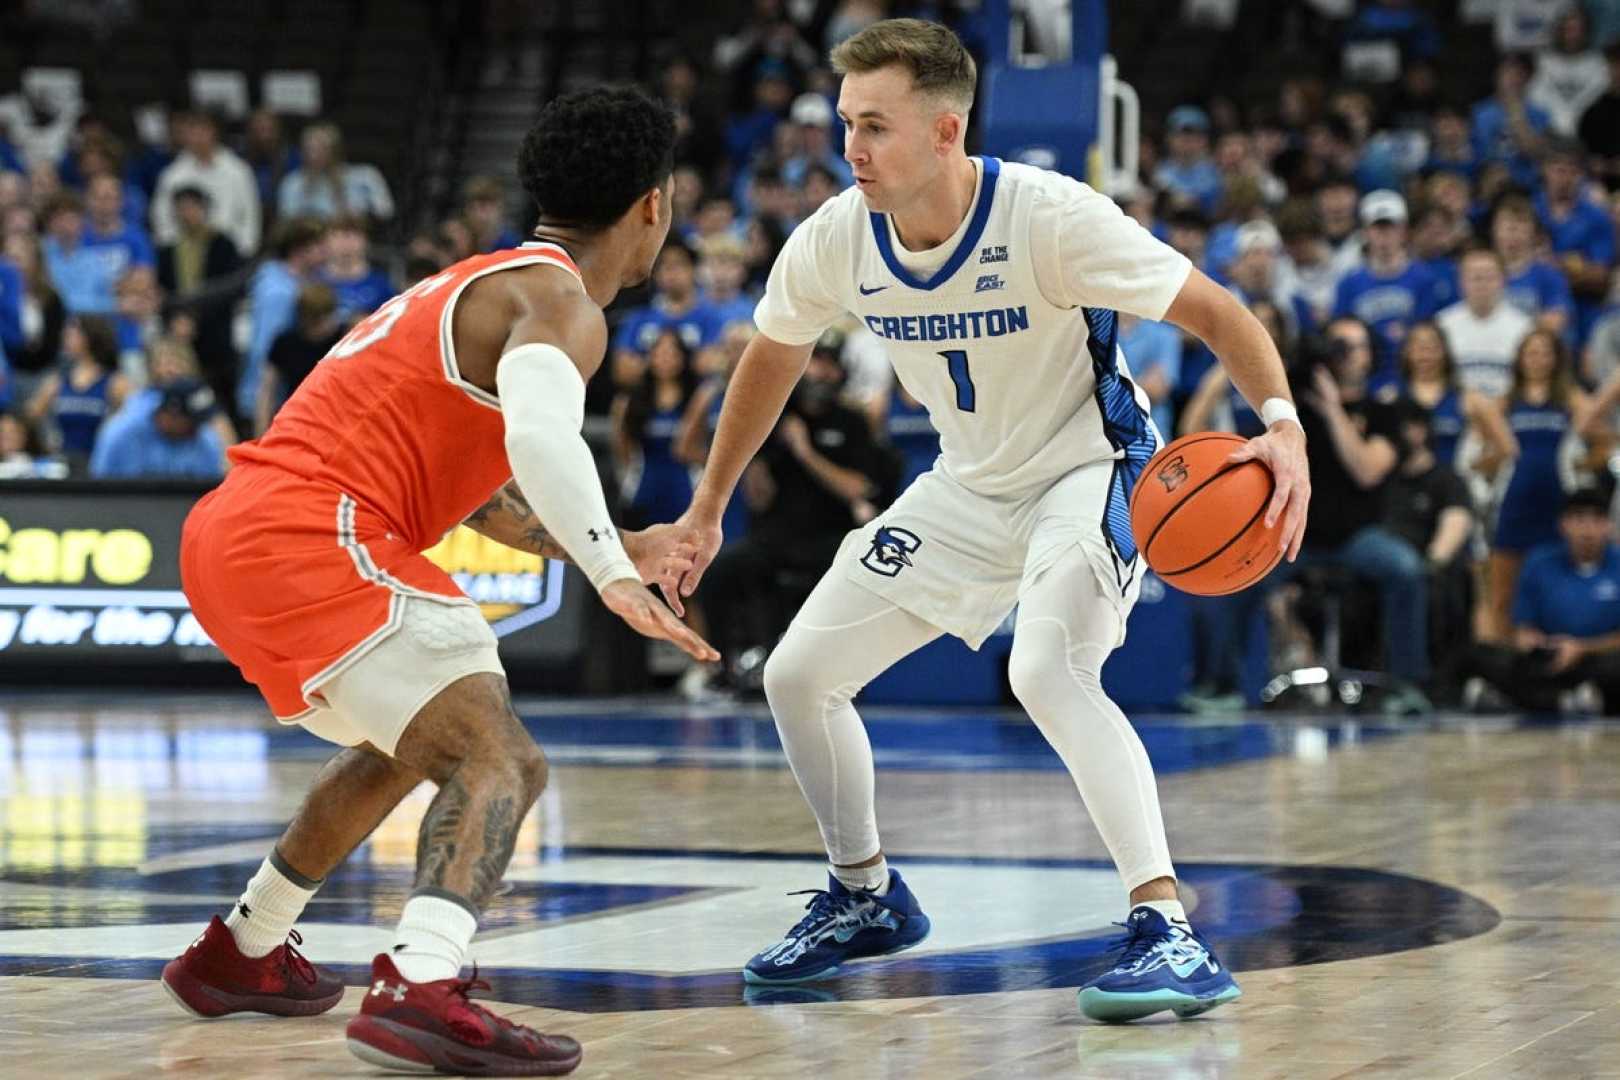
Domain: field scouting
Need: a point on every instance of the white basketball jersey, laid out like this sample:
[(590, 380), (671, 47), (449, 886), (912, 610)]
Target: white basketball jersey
[(1021, 389)]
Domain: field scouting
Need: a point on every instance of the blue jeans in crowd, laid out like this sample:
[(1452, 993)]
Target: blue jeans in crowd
[(1375, 554)]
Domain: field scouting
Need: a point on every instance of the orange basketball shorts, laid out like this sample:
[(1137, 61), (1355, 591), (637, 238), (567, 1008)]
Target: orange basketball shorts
[(295, 581)]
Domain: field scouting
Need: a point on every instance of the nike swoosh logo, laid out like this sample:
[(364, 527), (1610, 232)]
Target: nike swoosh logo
[(1185, 967), (868, 292)]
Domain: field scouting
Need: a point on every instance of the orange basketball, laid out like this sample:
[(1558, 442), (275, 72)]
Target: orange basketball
[(1199, 520)]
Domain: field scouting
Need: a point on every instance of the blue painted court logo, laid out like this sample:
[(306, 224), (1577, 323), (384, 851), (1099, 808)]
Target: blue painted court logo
[(891, 550)]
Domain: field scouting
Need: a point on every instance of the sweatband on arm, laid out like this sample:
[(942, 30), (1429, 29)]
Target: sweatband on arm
[(1275, 409), (543, 400)]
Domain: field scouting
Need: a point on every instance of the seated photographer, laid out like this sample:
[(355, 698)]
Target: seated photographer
[(819, 475), (1427, 505), (1356, 447), (1566, 614)]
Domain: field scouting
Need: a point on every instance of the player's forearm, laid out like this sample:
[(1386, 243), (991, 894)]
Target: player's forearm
[(758, 390), (509, 519), (1250, 358), (1235, 336)]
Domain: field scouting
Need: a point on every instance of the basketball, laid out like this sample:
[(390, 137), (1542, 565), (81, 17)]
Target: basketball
[(1199, 519)]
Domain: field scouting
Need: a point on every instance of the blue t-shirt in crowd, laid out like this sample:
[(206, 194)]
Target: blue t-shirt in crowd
[(697, 327), (86, 277), (739, 308), (359, 296), (1539, 287), (1201, 180), (1448, 284), (1149, 345), (12, 288), (138, 407), (273, 308), (1587, 230), (1389, 305), (1556, 597), (140, 450), (1493, 140)]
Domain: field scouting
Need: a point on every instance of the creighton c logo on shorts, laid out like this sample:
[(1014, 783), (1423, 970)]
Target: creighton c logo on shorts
[(890, 551)]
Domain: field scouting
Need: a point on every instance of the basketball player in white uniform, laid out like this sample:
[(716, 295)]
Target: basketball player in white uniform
[(994, 287)]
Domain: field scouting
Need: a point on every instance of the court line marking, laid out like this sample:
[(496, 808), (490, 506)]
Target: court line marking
[(1526, 1046)]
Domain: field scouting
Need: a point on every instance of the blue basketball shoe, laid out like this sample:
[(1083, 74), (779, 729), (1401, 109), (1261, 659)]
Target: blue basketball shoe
[(1163, 965), (841, 925)]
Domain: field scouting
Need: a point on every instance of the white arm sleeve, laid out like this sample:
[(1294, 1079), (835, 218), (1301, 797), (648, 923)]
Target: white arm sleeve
[(543, 400)]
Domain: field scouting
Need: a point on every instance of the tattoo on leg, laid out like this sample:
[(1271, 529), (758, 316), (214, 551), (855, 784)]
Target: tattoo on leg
[(436, 841), (502, 818)]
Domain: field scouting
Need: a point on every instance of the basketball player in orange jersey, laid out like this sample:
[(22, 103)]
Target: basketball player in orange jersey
[(305, 567)]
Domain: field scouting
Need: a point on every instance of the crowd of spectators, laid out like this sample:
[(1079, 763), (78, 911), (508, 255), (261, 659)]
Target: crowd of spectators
[(1439, 275), (1438, 270), (159, 298)]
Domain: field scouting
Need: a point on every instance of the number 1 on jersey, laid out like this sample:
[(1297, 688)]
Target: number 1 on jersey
[(956, 363)]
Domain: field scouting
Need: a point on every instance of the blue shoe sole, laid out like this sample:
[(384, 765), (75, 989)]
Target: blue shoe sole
[(1116, 1008), (750, 976)]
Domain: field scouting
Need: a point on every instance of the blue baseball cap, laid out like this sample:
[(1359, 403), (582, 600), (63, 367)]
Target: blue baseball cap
[(1188, 118)]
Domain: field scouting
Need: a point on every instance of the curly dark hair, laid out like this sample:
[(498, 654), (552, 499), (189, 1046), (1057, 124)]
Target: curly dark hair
[(594, 152)]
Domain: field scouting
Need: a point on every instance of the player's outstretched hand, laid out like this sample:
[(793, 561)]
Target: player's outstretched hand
[(1282, 450), (663, 555), (704, 528), (647, 615)]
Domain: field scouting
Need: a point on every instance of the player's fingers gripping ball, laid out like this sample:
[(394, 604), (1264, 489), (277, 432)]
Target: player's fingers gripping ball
[(1199, 520)]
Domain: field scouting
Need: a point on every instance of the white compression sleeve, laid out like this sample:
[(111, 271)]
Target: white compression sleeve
[(543, 400)]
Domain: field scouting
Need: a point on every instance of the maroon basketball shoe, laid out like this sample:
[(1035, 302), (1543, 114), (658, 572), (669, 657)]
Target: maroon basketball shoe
[(213, 978), (436, 1027)]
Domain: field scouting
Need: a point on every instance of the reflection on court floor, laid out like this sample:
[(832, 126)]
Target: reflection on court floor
[(1325, 855)]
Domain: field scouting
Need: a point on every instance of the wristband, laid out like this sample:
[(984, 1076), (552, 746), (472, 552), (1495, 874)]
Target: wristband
[(1276, 409)]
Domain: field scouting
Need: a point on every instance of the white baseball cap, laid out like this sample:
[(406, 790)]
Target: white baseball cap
[(811, 110), (1383, 205), (1258, 233)]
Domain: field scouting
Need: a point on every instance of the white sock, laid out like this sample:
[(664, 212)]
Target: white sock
[(274, 899), (432, 939), (873, 879), (1170, 909)]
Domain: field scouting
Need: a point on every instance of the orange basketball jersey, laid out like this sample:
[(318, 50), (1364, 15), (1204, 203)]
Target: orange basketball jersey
[(304, 557), (387, 418)]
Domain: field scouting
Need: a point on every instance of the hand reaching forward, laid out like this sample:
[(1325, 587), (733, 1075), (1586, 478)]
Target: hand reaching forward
[(647, 615), (663, 555), (704, 529)]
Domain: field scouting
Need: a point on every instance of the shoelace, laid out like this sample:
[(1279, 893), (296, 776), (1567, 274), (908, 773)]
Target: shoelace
[(464, 989), (1137, 943), (295, 960), (822, 905)]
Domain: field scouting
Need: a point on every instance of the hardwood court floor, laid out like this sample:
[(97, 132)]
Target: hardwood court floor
[(1426, 902)]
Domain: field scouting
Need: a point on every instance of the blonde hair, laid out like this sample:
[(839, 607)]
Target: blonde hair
[(933, 54)]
